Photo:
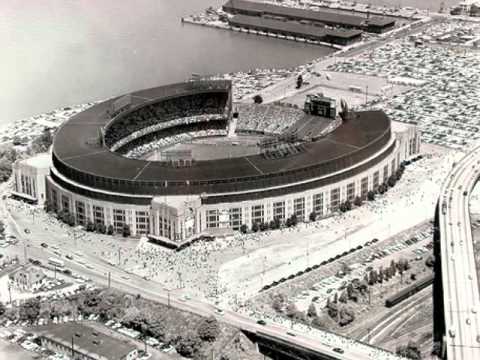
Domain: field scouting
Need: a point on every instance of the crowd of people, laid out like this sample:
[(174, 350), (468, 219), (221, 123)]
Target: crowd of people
[(165, 110), (163, 142), (266, 118)]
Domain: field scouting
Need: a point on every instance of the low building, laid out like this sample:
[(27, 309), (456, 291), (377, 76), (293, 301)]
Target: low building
[(81, 342), (29, 178), (25, 277), (296, 30), (323, 16)]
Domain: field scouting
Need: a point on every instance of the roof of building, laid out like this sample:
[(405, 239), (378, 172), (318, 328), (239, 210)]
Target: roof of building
[(42, 161), (78, 159), (291, 27), (86, 342), (325, 15), (24, 268)]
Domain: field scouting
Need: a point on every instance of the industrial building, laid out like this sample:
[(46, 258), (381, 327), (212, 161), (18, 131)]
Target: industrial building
[(329, 17)]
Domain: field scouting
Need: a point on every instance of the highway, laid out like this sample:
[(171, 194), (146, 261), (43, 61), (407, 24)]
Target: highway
[(459, 272)]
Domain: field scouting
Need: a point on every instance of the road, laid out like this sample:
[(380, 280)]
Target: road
[(459, 272), (98, 270)]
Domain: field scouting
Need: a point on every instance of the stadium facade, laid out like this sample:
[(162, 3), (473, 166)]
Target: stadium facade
[(181, 199)]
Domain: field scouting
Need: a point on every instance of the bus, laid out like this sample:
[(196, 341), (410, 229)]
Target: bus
[(56, 262)]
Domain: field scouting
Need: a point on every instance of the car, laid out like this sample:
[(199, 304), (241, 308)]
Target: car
[(291, 333), (451, 332), (69, 257), (261, 322), (219, 311), (465, 193), (44, 245), (338, 350)]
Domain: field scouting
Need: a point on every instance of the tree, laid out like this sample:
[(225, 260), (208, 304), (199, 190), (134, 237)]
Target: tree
[(2, 309), (255, 227), (110, 229), (363, 286), (189, 344), (30, 310), (263, 226), (294, 220), (278, 302), (371, 195), (393, 267), (313, 216), (430, 261), (350, 290), (410, 351), (299, 81), (275, 223), (126, 230), (357, 201), (398, 174), (258, 99), (346, 206), (90, 226), (312, 311), (291, 310), (346, 316), (100, 228), (243, 229), (319, 323), (373, 277), (380, 275), (335, 298), (42, 142), (209, 329), (343, 297), (392, 180)]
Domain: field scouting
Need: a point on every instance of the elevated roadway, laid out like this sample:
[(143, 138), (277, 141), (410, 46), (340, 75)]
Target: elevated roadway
[(461, 300)]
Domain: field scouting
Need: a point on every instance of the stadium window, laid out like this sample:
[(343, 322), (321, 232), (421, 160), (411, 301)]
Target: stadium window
[(350, 191), (385, 173), (257, 214), (299, 208), (235, 218), (118, 220), (212, 218), (393, 166), (364, 187), (142, 222), (98, 217), (54, 199), (80, 212), (279, 210), (318, 204), (65, 203), (334, 199), (376, 179)]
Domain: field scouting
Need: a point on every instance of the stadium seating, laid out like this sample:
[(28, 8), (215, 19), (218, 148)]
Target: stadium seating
[(170, 136), (266, 118), (163, 111)]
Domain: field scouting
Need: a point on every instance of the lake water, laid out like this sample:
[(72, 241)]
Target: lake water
[(61, 52)]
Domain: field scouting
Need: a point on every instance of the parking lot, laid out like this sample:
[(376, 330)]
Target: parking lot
[(441, 107)]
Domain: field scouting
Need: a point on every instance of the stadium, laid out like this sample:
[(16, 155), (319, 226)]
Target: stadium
[(182, 161)]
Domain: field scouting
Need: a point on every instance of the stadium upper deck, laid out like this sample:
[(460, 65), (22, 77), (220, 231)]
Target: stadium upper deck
[(79, 157)]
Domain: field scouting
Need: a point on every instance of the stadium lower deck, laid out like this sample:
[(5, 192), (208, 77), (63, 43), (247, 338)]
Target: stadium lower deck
[(233, 181)]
